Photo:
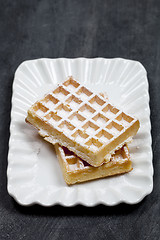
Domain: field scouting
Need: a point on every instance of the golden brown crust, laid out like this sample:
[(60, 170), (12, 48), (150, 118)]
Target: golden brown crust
[(75, 170), (118, 127)]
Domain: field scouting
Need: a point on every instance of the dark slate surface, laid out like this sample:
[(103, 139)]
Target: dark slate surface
[(34, 29)]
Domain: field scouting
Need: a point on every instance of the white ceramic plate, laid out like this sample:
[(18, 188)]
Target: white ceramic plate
[(34, 174)]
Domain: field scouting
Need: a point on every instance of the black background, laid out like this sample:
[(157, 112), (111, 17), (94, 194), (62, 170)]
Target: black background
[(35, 29)]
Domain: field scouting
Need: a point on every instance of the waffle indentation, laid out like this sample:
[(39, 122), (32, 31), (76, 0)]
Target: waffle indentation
[(60, 92), (63, 110), (71, 160), (73, 101), (50, 101), (100, 119), (80, 136), (74, 163), (90, 127), (110, 111), (97, 102), (93, 144), (114, 128), (104, 136), (84, 93), (40, 109), (67, 127), (76, 118), (124, 119), (52, 118), (87, 110), (71, 84)]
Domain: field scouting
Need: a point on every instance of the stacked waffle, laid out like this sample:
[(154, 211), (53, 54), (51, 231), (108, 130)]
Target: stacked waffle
[(90, 135)]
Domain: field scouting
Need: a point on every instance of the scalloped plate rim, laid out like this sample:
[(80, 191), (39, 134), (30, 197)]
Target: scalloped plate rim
[(76, 202)]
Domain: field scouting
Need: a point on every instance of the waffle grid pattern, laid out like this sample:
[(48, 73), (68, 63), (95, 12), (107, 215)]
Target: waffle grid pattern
[(84, 117), (74, 163)]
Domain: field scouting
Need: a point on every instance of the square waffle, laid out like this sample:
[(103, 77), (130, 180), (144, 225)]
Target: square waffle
[(75, 170), (84, 122)]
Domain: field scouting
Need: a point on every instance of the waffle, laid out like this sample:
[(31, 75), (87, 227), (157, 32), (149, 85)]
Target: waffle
[(75, 170), (84, 122)]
